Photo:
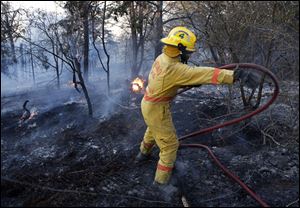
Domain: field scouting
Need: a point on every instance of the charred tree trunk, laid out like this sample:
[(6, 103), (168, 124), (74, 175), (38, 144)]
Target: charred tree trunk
[(12, 45), (159, 29), (32, 64), (105, 51), (134, 69), (142, 42), (86, 46), (81, 80), (55, 54), (269, 52), (11, 39), (22, 55), (106, 69), (134, 55), (57, 68), (138, 33)]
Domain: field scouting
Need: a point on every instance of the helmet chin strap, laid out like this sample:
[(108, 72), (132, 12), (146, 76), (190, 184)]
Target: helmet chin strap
[(184, 57)]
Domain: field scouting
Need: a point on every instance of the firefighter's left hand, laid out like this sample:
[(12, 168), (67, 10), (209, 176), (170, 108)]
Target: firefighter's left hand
[(247, 78)]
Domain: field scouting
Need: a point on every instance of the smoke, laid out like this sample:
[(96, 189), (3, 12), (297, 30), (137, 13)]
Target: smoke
[(12, 85), (40, 86), (20, 78)]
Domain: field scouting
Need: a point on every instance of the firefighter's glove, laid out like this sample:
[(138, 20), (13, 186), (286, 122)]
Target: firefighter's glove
[(247, 78)]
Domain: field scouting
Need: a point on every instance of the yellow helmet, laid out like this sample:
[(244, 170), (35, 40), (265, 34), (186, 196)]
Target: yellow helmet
[(181, 35)]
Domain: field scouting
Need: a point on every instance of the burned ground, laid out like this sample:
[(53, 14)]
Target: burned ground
[(62, 157)]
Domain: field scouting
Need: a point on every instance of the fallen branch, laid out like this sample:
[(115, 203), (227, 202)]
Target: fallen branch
[(293, 202), (80, 192), (269, 136)]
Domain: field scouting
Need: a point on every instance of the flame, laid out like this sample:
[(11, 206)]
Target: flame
[(28, 116), (137, 85), (33, 114)]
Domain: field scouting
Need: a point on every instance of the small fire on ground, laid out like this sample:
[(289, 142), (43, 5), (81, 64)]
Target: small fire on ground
[(137, 85), (33, 114), (28, 115)]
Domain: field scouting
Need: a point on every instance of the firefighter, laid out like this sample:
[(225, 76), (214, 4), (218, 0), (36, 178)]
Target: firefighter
[(170, 72)]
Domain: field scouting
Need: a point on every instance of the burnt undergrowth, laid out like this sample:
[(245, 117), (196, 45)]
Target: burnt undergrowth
[(62, 157)]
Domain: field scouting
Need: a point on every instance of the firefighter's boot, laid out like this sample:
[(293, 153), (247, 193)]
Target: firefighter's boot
[(141, 158)]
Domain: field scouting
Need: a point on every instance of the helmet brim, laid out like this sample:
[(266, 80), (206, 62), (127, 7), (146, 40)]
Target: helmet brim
[(170, 43)]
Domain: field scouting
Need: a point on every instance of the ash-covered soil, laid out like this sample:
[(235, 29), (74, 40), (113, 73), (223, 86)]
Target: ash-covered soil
[(62, 157)]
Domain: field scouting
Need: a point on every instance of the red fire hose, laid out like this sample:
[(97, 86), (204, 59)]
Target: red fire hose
[(233, 121)]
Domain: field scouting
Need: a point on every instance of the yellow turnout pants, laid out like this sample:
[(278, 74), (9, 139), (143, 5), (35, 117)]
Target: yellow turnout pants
[(162, 132)]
